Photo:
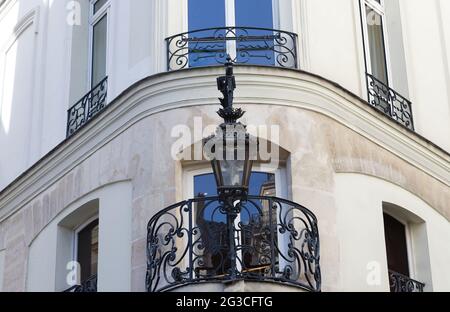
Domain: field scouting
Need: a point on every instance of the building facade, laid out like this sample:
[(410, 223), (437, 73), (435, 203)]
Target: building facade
[(95, 95)]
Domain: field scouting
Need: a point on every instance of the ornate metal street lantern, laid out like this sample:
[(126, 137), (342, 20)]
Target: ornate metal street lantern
[(231, 150), (264, 238)]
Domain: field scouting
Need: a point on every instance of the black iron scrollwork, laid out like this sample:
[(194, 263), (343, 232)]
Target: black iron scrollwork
[(90, 285), (88, 107), (250, 45), (401, 283), (389, 102), (270, 239)]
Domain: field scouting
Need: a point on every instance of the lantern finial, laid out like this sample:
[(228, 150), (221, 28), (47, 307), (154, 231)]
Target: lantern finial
[(227, 84)]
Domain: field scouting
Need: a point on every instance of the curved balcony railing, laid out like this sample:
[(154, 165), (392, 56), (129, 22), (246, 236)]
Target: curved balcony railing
[(275, 241), (90, 105), (389, 102), (90, 285), (247, 45), (401, 283)]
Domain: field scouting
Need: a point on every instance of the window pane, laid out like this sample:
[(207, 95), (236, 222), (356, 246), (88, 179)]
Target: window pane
[(254, 13), (88, 250), (376, 45), (98, 5), (99, 51), (212, 47), (205, 185), (212, 224), (261, 184), (396, 247), (258, 49)]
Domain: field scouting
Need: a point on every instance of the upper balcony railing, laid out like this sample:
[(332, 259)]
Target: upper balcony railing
[(275, 240), (88, 107), (401, 283), (247, 45), (389, 102)]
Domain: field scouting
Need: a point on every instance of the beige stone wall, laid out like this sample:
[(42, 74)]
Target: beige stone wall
[(320, 146)]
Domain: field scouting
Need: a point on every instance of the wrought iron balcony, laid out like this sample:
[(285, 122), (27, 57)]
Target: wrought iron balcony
[(249, 45), (402, 283), (93, 103), (90, 285), (275, 241), (389, 102)]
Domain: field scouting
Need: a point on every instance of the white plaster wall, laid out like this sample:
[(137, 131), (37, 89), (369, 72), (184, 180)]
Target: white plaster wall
[(426, 46), (17, 63), (42, 261), (2, 266), (47, 260), (330, 44), (359, 200)]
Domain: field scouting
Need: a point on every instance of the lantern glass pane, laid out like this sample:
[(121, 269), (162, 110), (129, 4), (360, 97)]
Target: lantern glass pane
[(232, 171)]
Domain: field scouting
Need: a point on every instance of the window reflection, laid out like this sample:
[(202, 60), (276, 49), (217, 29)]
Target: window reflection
[(87, 250), (254, 224)]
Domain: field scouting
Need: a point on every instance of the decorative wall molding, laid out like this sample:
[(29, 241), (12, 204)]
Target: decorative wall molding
[(28, 20), (5, 6), (170, 91)]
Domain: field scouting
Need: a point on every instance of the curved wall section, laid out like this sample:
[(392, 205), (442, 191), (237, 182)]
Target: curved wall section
[(52, 251), (324, 128), (361, 211)]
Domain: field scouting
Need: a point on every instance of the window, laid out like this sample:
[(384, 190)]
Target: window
[(396, 245), (253, 222), (207, 14), (86, 250), (374, 31), (98, 22)]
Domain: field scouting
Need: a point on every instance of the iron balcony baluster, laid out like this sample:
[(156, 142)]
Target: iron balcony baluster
[(193, 242), (90, 105), (90, 285), (389, 102), (255, 46), (401, 283)]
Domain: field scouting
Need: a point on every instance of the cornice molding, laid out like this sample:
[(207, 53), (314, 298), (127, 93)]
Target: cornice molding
[(169, 91)]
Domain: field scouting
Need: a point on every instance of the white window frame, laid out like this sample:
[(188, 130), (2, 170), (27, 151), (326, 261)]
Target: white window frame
[(93, 20), (76, 231), (380, 9), (409, 244), (230, 20)]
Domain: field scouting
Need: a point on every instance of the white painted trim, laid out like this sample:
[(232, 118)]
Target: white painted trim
[(301, 12), (308, 92), (360, 52)]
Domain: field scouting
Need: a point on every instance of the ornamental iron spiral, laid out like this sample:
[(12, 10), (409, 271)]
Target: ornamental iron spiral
[(250, 45), (389, 102), (401, 283), (275, 240), (90, 105)]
